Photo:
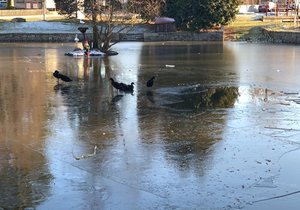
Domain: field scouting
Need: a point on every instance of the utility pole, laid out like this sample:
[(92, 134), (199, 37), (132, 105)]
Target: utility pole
[(296, 13), (44, 9)]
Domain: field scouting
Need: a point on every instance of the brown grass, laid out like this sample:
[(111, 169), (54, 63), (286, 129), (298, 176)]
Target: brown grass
[(244, 24)]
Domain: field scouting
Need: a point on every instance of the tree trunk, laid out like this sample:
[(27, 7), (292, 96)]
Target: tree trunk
[(95, 29), (106, 43), (9, 4), (102, 35), (95, 37)]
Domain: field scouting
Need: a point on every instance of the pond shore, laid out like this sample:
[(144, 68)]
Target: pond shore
[(259, 34), (146, 37), (248, 28), (65, 32)]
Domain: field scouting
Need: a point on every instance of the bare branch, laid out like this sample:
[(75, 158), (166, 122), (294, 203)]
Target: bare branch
[(113, 19)]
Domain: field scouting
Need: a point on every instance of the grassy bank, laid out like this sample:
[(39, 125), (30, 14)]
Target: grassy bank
[(248, 27), (244, 27)]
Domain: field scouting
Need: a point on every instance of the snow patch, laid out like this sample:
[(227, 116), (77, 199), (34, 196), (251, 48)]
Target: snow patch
[(40, 27)]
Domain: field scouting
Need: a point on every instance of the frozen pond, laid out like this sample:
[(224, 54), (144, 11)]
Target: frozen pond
[(219, 129)]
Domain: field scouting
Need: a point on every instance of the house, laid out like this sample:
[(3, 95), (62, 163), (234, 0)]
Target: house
[(27, 4)]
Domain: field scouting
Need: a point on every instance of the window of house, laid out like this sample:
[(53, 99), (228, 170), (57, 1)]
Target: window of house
[(35, 5)]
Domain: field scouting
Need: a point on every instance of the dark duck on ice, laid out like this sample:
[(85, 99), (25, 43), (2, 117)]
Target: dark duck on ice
[(150, 82), (115, 84), (59, 76), (121, 86), (127, 88)]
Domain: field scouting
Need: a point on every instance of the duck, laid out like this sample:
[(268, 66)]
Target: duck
[(58, 75), (115, 84), (122, 86), (150, 82), (128, 88)]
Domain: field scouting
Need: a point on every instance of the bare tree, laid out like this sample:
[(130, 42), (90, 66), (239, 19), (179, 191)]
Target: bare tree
[(108, 18), (67, 7), (148, 9)]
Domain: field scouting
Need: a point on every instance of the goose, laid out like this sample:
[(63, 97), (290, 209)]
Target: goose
[(58, 75), (76, 39), (150, 82)]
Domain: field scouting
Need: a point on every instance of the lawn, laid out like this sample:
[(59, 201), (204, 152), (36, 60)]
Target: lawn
[(246, 26)]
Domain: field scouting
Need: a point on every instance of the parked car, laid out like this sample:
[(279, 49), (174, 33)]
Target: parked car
[(292, 6), (271, 6)]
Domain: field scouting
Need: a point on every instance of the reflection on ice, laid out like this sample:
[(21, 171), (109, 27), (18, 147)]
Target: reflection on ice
[(198, 97)]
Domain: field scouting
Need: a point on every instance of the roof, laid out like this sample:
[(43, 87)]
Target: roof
[(164, 20)]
